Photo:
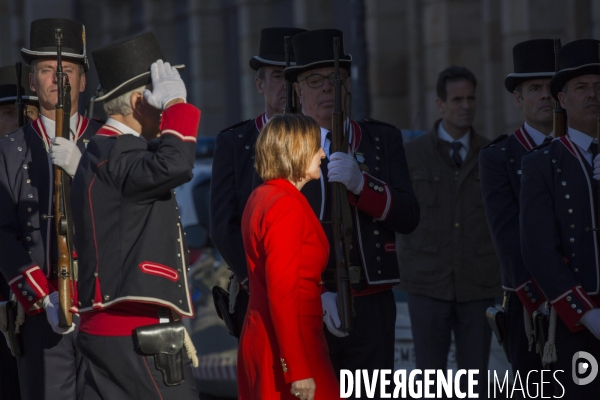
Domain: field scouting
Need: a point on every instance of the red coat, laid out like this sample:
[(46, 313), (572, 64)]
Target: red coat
[(282, 340)]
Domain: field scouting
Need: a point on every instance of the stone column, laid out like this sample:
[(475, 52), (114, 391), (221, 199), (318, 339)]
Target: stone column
[(207, 61), (253, 15), (388, 46)]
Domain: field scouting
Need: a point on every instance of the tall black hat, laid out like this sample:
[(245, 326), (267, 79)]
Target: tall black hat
[(125, 65), (314, 49), (42, 41), (8, 85), (272, 47), (575, 59), (531, 59)]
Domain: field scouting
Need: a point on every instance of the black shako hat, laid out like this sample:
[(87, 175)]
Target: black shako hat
[(314, 49), (531, 59), (8, 85), (42, 41), (576, 58), (125, 65), (272, 47)]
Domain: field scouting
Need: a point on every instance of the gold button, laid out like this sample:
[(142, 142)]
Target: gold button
[(456, 224)]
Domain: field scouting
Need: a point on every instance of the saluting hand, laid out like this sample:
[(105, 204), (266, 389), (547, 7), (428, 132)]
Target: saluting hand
[(167, 85), (304, 389), (343, 168)]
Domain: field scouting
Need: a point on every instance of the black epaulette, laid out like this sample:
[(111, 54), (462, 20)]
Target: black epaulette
[(375, 121), (232, 127), (496, 141), (541, 146)]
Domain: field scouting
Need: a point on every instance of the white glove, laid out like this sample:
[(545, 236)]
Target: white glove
[(330, 314), (51, 306), (596, 165), (65, 154), (166, 85), (591, 320), (343, 168)]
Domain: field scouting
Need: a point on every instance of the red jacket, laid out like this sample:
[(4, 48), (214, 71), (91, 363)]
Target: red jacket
[(282, 340)]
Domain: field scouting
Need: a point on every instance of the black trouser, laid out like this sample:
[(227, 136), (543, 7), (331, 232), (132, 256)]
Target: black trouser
[(370, 345), (116, 370), (9, 378), (51, 366), (432, 323), (522, 360)]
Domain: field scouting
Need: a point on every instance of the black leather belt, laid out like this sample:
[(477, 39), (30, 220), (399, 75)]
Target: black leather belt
[(355, 272)]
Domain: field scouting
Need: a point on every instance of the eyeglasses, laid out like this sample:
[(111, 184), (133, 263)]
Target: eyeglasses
[(317, 80)]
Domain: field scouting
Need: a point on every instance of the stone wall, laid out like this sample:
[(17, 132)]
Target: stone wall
[(408, 43)]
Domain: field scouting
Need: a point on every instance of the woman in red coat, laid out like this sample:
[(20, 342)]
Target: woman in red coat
[(283, 352)]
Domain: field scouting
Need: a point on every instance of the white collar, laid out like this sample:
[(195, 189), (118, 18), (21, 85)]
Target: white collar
[(465, 140), (126, 130), (582, 140), (50, 125), (537, 136)]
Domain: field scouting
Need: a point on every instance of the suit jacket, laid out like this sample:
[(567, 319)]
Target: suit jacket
[(26, 190), (130, 241), (558, 214), (282, 339), (450, 256), (231, 185), (500, 172)]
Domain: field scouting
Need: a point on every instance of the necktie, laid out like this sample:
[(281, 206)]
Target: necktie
[(327, 148), (594, 149), (456, 146), (547, 139)]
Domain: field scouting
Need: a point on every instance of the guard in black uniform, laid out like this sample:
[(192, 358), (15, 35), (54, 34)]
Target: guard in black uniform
[(50, 366), (382, 203), (558, 218), (233, 160), (9, 122), (500, 172), (133, 256)]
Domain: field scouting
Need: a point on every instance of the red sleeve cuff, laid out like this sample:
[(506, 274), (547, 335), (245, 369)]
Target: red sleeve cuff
[(181, 120), (375, 199), (30, 287), (571, 305), (530, 295)]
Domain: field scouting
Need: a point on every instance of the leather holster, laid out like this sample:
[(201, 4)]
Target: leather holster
[(8, 318), (165, 343)]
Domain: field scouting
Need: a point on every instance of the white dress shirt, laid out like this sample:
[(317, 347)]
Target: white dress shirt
[(537, 136), (582, 141), (50, 126), (121, 127), (465, 140)]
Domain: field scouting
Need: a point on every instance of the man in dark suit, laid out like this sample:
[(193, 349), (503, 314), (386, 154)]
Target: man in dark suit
[(382, 203), (558, 218), (448, 265), (500, 172), (51, 365), (233, 161), (133, 256)]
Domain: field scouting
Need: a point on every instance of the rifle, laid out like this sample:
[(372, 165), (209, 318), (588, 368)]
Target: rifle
[(559, 119), (289, 91), (62, 194), (20, 105), (340, 208)]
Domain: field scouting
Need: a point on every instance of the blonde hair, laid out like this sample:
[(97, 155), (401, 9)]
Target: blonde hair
[(285, 147)]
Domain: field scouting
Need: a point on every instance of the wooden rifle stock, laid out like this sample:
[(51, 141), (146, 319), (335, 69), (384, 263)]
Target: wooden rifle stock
[(62, 192), (559, 121), (340, 208), (19, 103), (289, 91)]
